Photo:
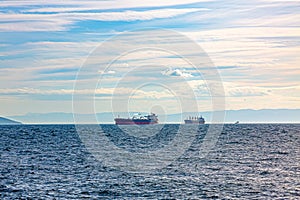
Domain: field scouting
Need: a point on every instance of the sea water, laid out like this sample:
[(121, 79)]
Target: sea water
[(250, 161)]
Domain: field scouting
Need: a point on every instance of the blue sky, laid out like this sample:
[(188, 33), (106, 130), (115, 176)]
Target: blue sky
[(254, 44)]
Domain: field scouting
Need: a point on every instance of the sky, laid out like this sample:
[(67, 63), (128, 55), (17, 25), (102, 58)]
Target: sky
[(47, 47)]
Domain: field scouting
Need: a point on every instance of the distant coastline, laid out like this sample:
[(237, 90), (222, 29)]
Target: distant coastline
[(6, 121), (231, 116)]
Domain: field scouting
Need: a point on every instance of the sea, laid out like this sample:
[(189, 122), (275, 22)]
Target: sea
[(242, 161)]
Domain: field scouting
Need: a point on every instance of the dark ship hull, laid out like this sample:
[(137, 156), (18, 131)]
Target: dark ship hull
[(188, 121)]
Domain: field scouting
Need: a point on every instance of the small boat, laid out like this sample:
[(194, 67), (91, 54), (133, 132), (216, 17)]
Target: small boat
[(237, 122)]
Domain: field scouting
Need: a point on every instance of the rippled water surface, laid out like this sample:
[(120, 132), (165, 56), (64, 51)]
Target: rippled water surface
[(248, 161)]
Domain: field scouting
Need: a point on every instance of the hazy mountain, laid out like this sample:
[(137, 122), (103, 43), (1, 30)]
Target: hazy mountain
[(244, 116), (5, 121)]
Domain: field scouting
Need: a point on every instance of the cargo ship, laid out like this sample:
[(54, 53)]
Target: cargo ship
[(137, 119), (195, 120)]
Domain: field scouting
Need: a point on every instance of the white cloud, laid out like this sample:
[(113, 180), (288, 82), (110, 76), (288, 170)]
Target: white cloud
[(247, 91), (100, 92), (110, 72), (290, 19), (177, 72), (248, 95), (31, 91), (75, 5), (255, 47), (130, 15), (60, 21)]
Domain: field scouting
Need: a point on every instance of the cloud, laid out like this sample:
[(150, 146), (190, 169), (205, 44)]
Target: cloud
[(63, 21), (31, 91), (248, 95), (255, 50), (177, 72), (89, 5), (260, 38), (119, 93), (247, 91), (110, 72)]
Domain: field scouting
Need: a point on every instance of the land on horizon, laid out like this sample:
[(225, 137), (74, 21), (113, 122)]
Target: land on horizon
[(6, 121), (231, 116)]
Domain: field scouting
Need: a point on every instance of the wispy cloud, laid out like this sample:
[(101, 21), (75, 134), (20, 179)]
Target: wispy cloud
[(62, 21), (74, 5), (100, 93)]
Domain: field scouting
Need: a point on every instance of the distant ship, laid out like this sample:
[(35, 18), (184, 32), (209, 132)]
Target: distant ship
[(138, 119), (195, 120)]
